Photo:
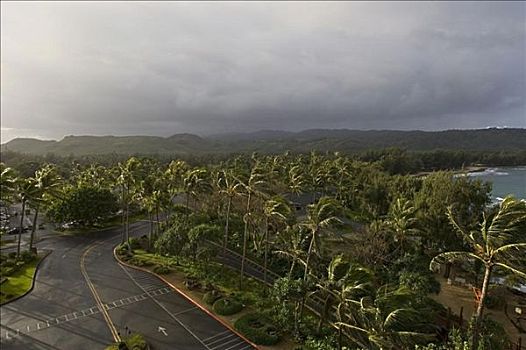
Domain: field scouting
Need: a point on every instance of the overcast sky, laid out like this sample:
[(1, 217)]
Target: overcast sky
[(162, 68)]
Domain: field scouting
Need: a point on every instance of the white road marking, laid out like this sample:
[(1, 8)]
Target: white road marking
[(40, 325), (166, 310), (163, 330), (218, 334)]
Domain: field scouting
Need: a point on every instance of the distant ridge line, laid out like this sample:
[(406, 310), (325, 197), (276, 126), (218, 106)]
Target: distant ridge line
[(272, 141)]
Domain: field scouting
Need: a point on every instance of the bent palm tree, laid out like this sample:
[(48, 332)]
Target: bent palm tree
[(8, 181), (500, 242), (26, 192), (278, 210), (255, 180), (229, 187), (401, 222), (320, 216), (342, 281), (47, 182), (385, 322)]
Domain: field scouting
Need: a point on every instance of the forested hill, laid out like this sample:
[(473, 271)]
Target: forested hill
[(279, 141)]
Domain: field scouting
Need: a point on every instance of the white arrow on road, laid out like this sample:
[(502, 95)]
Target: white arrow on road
[(163, 330)]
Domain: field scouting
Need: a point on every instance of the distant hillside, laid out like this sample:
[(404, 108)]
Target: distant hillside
[(269, 141)]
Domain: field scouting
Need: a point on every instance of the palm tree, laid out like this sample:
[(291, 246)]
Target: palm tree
[(401, 221), (320, 216), (26, 190), (296, 179), (275, 209), (128, 183), (291, 241), (498, 243), (195, 182), (356, 284), (327, 284), (8, 182), (342, 174), (229, 187), (175, 174), (254, 181), (386, 322), (46, 182)]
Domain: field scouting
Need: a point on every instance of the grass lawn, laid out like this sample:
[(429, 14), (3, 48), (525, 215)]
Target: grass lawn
[(135, 341), (7, 241), (19, 282)]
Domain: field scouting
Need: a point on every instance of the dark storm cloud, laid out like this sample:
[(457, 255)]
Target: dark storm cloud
[(163, 68)]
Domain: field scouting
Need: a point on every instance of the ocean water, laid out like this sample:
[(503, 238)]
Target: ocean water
[(505, 180)]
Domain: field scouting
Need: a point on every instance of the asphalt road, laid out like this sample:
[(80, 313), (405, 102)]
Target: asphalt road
[(62, 313)]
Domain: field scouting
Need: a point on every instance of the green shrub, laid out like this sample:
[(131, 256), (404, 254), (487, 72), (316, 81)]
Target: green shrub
[(211, 297), (9, 263), (27, 257), (257, 329), (227, 306), (162, 269), (136, 261), (419, 282), (135, 243), (8, 271), (133, 342)]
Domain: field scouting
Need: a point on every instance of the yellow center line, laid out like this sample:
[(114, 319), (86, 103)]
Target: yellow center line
[(96, 296)]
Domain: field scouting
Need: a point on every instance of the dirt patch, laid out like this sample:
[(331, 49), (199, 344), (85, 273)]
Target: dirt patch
[(456, 297)]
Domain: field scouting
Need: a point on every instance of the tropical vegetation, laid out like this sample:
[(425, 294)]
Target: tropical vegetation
[(329, 250)]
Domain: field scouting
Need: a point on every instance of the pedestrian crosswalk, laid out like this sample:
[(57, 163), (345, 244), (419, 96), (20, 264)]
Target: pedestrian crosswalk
[(226, 341), (147, 281), (11, 332)]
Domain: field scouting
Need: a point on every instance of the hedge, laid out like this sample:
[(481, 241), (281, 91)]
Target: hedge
[(211, 297), (258, 329), (227, 306), (162, 269)]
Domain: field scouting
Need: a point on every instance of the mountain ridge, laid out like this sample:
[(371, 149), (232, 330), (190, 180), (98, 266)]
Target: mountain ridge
[(275, 141)]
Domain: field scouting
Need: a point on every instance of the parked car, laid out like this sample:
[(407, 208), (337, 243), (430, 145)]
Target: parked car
[(16, 230)]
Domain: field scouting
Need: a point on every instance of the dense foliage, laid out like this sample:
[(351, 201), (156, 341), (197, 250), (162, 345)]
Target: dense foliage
[(344, 244), (86, 205)]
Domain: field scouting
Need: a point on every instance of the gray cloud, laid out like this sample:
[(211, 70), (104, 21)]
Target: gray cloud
[(163, 68)]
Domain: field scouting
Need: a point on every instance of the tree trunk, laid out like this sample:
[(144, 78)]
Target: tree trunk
[(150, 218), (21, 227), (225, 238), (323, 314), (480, 308), (306, 272), (33, 229), (123, 238), (265, 264), (128, 226), (309, 253), (292, 266), (296, 317), (245, 233), (158, 223), (187, 207)]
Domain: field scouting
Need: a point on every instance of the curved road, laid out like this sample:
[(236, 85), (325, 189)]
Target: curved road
[(82, 295)]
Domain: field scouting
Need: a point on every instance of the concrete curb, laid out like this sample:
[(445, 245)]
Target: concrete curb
[(208, 312), (32, 280)]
